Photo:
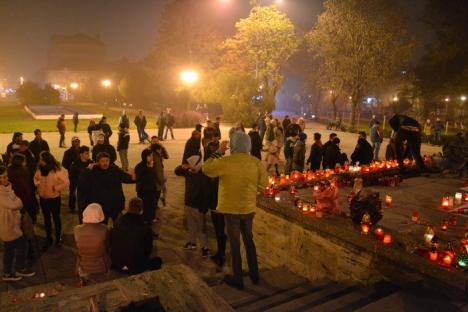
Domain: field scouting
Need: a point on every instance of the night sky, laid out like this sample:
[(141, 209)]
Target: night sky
[(128, 28)]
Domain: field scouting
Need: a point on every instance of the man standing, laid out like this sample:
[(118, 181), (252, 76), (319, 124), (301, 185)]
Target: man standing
[(38, 145), (103, 185), (75, 121), (170, 122), (70, 156), (74, 173), (101, 146), (106, 129), (62, 127), (256, 149), (140, 123), (238, 210), (438, 128), (124, 122), (261, 126), (407, 128), (161, 123), (376, 137), (217, 128), (286, 122), (325, 147)]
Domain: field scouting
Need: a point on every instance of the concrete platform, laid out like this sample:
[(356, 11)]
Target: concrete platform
[(48, 112)]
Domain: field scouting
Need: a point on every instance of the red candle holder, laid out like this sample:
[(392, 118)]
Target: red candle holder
[(365, 228), (379, 233), (444, 226), (387, 239), (292, 190), (433, 255), (415, 216), (447, 259), (388, 200)]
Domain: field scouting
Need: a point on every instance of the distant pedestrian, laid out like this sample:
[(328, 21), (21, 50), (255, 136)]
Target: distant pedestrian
[(289, 152), (238, 210), (140, 123), (286, 122), (14, 241), (372, 121), (51, 180), (38, 145), (255, 139), (91, 132), (161, 123), (438, 128), (106, 129), (62, 128), (316, 153), (124, 122), (272, 158), (363, 153), (325, 147), (217, 126), (170, 122), (261, 126), (76, 121), (131, 242), (376, 136), (428, 131), (122, 146)]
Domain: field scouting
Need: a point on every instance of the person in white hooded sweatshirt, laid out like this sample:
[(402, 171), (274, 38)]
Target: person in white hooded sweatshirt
[(15, 243)]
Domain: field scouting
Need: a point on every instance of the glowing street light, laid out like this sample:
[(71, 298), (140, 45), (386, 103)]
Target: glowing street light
[(447, 99), (56, 86), (463, 98), (189, 77), (74, 85), (106, 83), (395, 99)]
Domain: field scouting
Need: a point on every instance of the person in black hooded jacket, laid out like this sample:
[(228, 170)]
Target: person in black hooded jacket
[(193, 146), (363, 153), (256, 148), (146, 185)]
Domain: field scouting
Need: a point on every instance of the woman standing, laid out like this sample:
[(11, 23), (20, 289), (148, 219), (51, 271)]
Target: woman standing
[(51, 180)]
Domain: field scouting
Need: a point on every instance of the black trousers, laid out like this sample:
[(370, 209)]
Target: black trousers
[(150, 204), (161, 133), (414, 145), (62, 138), (238, 225), (221, 238), (51, 210), (72, 196)]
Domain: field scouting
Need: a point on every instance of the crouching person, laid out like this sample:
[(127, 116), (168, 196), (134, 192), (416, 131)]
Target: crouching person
[(131, 242), (91, 239), (15, 242)]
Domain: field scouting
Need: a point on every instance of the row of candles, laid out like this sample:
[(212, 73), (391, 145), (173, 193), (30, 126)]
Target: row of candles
[(449, 201)]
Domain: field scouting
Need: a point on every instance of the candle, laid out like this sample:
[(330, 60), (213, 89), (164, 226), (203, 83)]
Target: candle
[(316, 188), (299, 203), (379, 233), (444, 226), (415, 216), (312, 209), (433, 255), (458, 198), (447, 259), (292, 190), (429, 235), (365, 228), (387, 239), (388, 200), (267, 191), (277, 197), (466, 197)]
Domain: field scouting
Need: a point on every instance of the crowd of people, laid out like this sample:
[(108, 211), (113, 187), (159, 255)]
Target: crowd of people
[(114, 236)]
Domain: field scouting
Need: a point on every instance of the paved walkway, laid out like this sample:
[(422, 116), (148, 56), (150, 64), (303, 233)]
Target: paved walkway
[(58, 264)]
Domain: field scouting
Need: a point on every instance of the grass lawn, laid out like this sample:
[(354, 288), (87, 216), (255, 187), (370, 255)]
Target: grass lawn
[(13, 118)]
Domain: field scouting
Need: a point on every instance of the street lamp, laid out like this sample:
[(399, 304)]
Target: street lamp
[(395, 99), (74, 85), (189, 77), (106, 83), (463, 98), (447, 100)]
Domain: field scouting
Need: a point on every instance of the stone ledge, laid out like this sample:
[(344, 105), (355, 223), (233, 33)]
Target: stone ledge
[(393, 262), (178, 289)]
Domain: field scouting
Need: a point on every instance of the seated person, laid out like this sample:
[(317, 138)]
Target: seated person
[(91, 239), (327, 198), (131, 242)]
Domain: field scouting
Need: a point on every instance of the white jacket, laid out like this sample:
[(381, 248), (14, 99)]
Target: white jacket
[(10, 214), (52, 185)]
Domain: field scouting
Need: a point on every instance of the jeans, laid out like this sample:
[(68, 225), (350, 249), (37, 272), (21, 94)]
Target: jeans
[(196, 226), (51, 206), (62, 138), (221, 238), (414, 145), (18, 248), (161, 133), (142, 135), (237, 225), (376, 149), (167, 130), (123, 154), (72, 195)]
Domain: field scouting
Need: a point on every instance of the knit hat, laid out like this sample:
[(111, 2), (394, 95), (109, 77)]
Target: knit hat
[(196, 162), (93, 214), (240, 143)]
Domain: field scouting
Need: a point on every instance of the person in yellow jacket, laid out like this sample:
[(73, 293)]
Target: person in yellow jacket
[(241, 176)]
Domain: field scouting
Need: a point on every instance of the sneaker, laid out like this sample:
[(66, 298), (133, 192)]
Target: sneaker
[(190, 246), (11, 277), (231, 281), (205, 252), (25, 273)]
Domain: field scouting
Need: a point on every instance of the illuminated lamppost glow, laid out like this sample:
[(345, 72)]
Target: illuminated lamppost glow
[(395, 99), (74, 85), (56, 86), (447, 99), (463, 98), (106, 83), (189, 77)]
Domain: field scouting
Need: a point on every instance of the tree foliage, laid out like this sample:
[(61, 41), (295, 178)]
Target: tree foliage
[(361, 44), (29, 93), (261, 47)]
